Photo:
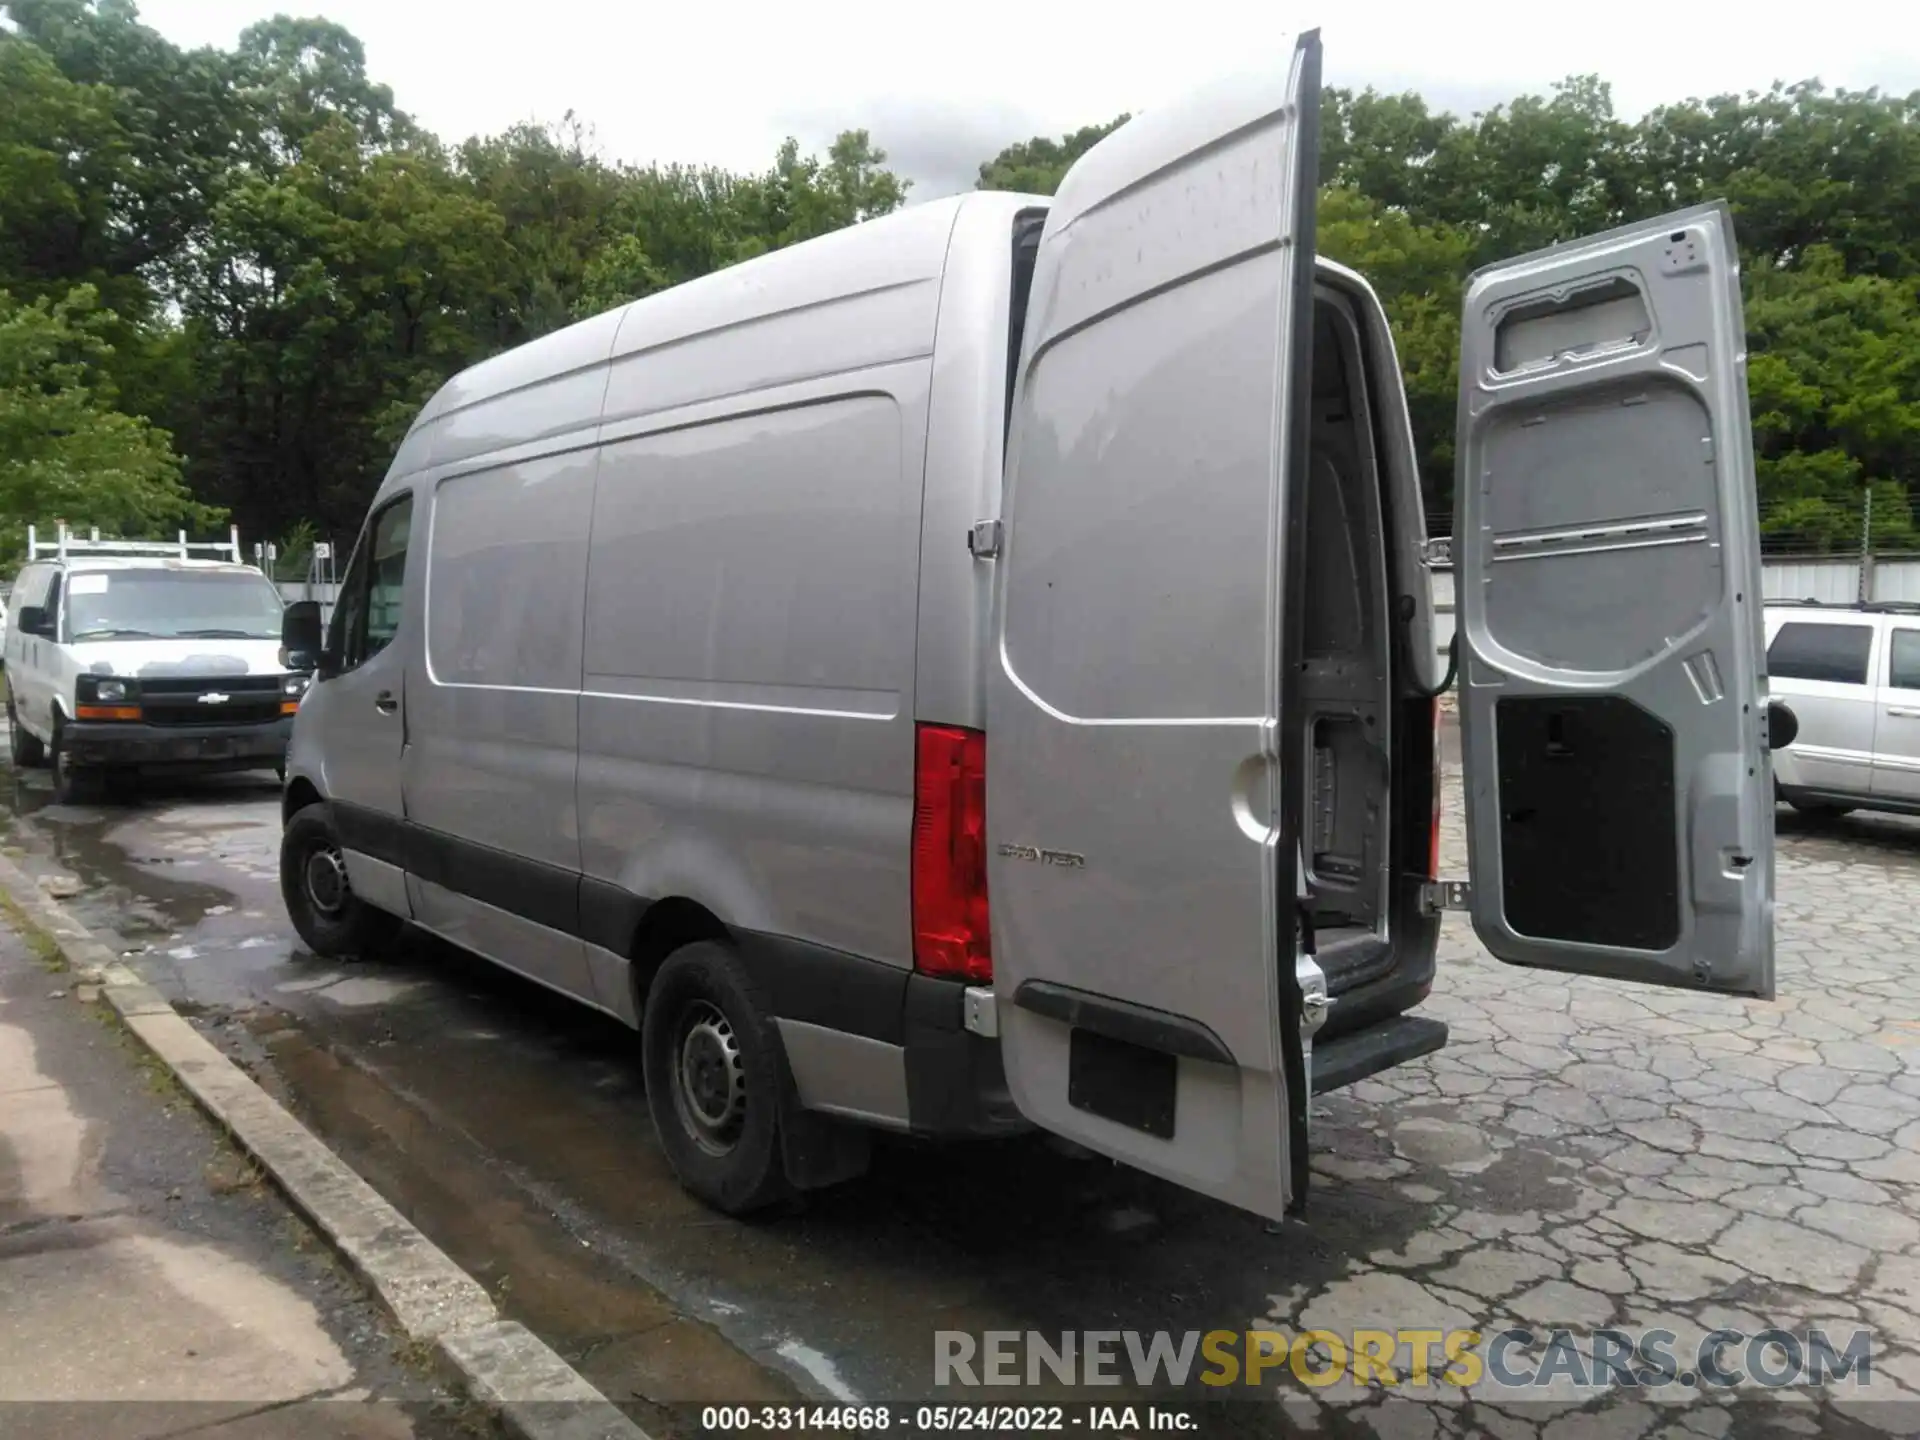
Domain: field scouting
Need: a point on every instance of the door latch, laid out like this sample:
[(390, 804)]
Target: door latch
[(983, 540), (1437, 553), (1439, 896)]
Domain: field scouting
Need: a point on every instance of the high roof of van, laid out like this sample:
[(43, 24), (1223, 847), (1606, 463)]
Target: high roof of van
[(895, 252)]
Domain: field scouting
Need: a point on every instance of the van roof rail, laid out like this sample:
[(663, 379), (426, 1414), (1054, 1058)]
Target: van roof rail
[(65, 543), (1882, 607)]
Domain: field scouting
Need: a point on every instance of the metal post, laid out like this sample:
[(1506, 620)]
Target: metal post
[(1866, 548)]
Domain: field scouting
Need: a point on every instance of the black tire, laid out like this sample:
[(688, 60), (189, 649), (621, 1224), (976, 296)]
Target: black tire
[(716, 1079), (334, 922), (1825, 810), (73, 784), (27, 751)]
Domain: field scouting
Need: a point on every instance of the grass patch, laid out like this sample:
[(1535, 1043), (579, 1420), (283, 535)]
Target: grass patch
[(45, 949)]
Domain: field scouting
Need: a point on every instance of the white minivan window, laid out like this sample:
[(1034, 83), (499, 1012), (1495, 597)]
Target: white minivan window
[(1835, 653), (171, 605)]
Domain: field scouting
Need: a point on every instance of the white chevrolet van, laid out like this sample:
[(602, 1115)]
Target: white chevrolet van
[(126, 655), (974, 670)]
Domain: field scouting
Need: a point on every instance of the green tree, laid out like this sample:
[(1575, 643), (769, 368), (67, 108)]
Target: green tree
[(331, 300), (63, 157), (557, 200), (65, 451), (180, 121), (1037, 166), (1834, 378)]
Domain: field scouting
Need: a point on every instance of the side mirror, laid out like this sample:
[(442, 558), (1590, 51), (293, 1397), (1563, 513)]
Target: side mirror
[(1782, 725), (34, 620), (302, 645)]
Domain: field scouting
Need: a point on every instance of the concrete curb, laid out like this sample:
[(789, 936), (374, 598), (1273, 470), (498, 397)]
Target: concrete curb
[(501, 1364)]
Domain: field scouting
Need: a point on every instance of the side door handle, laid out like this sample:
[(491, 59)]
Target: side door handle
[(1900, 713), (386, 702)]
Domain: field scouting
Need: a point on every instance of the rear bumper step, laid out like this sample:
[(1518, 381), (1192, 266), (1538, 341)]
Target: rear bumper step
[(1378, 1047)]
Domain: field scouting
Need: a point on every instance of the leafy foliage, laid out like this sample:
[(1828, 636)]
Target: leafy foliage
[(65, 452), (256, 252)]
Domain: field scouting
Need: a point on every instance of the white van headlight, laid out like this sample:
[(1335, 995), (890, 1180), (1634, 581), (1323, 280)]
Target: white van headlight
[(294, 686), (103, 689)]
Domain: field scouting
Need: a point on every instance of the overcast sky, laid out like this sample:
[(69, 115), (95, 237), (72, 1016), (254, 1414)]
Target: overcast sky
[(944, 86)]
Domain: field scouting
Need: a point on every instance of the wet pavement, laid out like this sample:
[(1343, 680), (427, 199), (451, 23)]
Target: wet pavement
[(1582, 1154), (151, 1283)]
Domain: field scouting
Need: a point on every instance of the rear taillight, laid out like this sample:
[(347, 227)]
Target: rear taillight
[(1433, 839), (950, 854)]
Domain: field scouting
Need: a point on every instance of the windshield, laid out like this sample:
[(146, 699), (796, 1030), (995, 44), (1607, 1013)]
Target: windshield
[(172, 605)]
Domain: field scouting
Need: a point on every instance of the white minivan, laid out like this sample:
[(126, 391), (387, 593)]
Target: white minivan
[(974, 670), (1852, 676), (124, 656)]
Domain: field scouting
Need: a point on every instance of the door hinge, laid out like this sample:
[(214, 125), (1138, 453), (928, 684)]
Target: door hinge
[(1437, 553), (983, 540), (1439, 896)]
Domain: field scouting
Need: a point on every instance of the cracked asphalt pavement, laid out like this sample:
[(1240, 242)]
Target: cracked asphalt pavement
[(1584, 1154)]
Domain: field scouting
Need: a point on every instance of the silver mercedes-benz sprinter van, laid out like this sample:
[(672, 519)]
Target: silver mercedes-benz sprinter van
[(975, 670)]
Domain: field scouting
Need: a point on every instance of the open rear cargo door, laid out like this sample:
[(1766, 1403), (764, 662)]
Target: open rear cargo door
[(1143, 894), (1619, 789)]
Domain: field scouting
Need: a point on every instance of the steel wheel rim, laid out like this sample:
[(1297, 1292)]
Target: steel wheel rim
[(325, 878), (708, 1080)]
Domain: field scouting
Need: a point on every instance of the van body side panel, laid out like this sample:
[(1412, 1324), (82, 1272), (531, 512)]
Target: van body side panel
[(493, 707), (746, 734), (966, 457)]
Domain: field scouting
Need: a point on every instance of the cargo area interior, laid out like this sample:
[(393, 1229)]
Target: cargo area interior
[(1347, 686)]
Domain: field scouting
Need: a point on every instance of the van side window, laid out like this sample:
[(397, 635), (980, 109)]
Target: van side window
[(1903, 672), (1835, 653), (368, 615), (52, 604)]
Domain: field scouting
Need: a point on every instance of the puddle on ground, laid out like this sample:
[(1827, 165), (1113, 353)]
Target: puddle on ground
[(626, 1338)]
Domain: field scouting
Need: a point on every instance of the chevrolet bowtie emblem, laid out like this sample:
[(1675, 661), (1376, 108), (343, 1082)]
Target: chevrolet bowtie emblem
[(214, 697)]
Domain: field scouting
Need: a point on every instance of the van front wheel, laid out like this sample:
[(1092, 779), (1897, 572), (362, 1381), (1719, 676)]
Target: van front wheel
[(73, 784), (714, 1079), (28, 752), (335, 923)]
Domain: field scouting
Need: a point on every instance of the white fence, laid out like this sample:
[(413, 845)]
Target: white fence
[(1784, 577)]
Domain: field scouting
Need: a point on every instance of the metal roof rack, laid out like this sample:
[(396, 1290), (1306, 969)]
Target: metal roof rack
[(66, 543)]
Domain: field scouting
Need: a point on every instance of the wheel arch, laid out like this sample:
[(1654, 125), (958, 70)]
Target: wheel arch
[(665, 927), (299, 794)]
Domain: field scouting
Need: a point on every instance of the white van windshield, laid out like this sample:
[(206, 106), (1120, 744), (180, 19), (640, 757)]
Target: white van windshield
[(171, 605)]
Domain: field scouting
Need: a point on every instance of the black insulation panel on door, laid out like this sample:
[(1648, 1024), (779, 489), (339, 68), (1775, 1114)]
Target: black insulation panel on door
[(1589, 832)]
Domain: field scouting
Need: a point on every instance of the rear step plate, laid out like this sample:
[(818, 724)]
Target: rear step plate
[(1379, 1047)]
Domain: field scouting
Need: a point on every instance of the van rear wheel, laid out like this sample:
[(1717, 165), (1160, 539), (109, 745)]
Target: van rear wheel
[(714, 1078), (333, 921)]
